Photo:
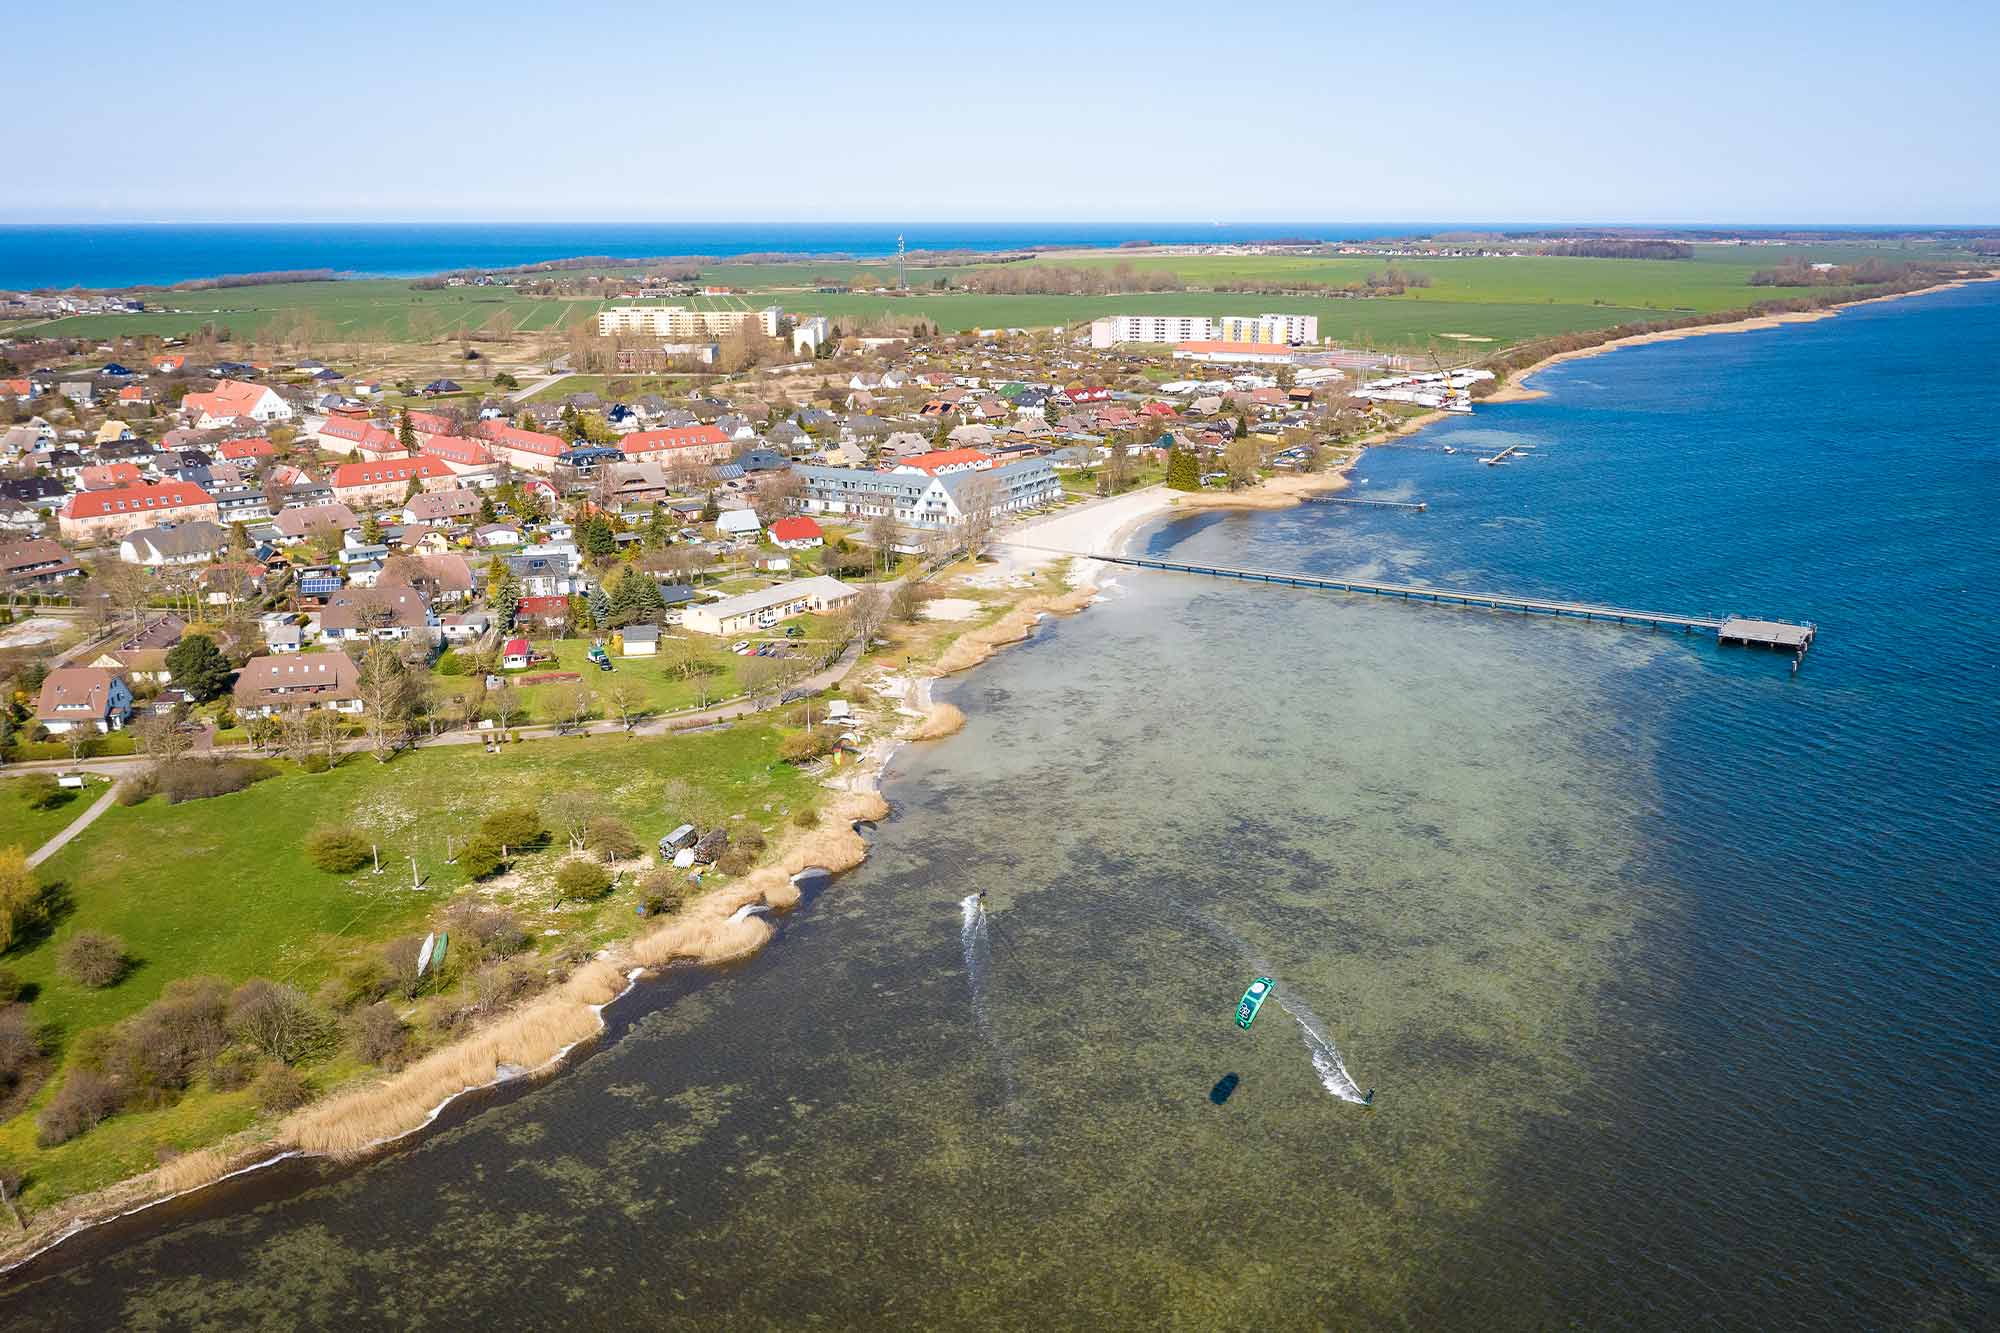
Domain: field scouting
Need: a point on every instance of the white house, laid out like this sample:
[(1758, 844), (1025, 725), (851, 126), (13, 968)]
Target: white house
[(741, 524)]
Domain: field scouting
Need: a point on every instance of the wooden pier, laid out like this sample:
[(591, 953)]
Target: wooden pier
[(1414, 506), (1778, 634)]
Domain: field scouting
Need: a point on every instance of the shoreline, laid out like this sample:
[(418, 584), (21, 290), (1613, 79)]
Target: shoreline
[(1516, 390)]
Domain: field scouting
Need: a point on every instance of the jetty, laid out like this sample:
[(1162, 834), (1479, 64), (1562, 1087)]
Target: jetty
[(1503, 455), (1785, 636), (1414, 506)]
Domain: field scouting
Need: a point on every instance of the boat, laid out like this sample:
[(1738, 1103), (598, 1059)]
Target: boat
[(1253, 1000), (1448, 449)]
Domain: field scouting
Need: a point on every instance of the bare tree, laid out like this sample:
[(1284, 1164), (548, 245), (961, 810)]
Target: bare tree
[(776, 495), (573, 705), (978, 502), (759, 678), (571, 812), (386, 694), (881, 539), (162, 739), (505, 701), (626, 697)]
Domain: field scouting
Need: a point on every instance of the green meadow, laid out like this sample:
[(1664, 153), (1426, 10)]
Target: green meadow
[(223, 887)]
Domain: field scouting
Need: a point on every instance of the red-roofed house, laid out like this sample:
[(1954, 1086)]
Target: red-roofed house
[(83, 698), (529, 450), (940, 461), (387, 480), (346, 435), (458, 453), (797, 533), (429, 423), (240, 451), (234, 400), (167, 365), (108, 476), (135, 393), (1160, 410), (23, 389), (552, 611), (516, 655), (692, 445), (96, 515)]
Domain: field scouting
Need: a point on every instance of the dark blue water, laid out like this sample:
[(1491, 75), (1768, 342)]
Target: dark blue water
[(125, 254)]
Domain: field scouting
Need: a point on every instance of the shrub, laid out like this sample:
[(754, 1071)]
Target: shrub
[(282, 1088), (136, 788), (159, 1050), (204, 778), (400, 958), (11, 986), (338, 850), (275, 1019), (315, 763), (662, 890), (40, 791), (515, 826), (94, 959), (491, 930), (735, 861), (24, 904), (20, 1045), (611, 839), (364, 982), (806, 817), (802, 747), (83, 1102), (233, 1069), (481, 857), (581, 880), (381, 1036), (750, 838), (498, 985), (452, 663)]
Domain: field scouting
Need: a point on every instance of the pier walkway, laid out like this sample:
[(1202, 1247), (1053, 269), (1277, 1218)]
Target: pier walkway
[(1415, 506), (1782, 635)]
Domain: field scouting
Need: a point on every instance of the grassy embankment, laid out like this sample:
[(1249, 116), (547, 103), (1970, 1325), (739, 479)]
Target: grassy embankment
[(222, 887)]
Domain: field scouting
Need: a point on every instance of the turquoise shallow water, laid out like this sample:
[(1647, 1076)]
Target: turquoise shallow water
[(1673, 973)]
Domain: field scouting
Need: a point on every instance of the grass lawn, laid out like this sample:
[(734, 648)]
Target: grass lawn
[(223, 887), (28, 829), (664, 691)]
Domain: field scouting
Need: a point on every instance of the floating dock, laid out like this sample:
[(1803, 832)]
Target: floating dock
[(1779, 634)]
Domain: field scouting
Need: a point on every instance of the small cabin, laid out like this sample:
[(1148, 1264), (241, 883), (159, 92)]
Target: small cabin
[(684, 836)]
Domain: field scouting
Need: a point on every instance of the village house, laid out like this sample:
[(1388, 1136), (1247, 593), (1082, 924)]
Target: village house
[(254, 449), (91, 516), (281, 682), (234, 400), (294, 524), (458, 453), (796, 532), (351, 435), (32, 563), (442, 507), (465, 626), (385, 481), (915, 498), (83, 698), (529, 450), (516, 655), (194, 543), (391, 614), (691, 446)]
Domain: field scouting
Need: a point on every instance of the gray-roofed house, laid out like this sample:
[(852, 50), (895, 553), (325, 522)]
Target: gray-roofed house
[(194, 543)]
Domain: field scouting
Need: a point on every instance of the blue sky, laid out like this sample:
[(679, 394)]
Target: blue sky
[(1767, 113)]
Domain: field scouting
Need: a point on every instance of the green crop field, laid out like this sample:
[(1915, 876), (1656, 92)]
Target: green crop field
[(1501, 299), (235, 896)]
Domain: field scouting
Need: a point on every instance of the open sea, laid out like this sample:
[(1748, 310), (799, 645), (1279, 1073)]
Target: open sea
[(1673, 974), (36, 256)]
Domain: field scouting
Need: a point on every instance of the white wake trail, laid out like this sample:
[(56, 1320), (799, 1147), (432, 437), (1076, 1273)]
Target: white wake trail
[(1333, 1075)]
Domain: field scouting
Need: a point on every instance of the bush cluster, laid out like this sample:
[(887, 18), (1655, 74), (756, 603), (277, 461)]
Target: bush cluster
[(338, 850)]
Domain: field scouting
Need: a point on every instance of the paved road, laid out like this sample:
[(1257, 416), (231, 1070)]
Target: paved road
[(523, 394), (82, 822), (662, 725)]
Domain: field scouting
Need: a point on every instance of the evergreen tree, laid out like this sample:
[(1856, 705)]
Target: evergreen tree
[(198, 666), (406, 434), (658, 530), (593, 534), (710, 510), (1183, 472), (487, 513), (371, 530), (503, 593), (600, 608)]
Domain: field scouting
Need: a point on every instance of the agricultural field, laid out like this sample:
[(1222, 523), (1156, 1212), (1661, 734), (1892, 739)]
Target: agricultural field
[(1497, 300), (237, 897)]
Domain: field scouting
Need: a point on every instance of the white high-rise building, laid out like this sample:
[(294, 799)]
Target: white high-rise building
[(1290, 330), (675, 321), (1114, 329)]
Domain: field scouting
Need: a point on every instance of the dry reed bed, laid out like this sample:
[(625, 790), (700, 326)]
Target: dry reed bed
[(528, 1038), (974, 646), (942, 720)]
